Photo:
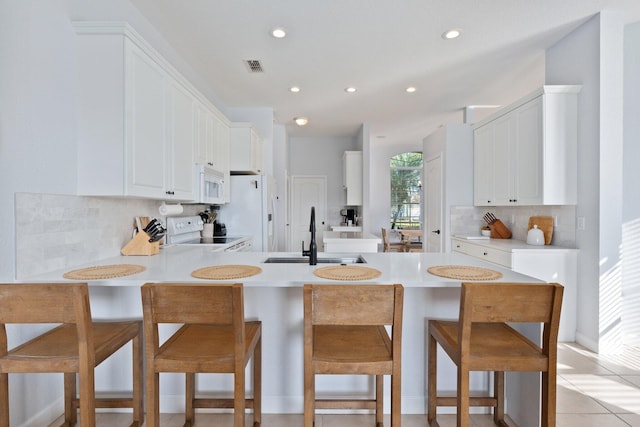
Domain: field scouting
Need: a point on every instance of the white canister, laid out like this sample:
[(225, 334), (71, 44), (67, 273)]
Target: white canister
[(535, 236), (207, 230)]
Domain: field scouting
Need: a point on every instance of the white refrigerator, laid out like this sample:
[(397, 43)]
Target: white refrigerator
[(251, 210)]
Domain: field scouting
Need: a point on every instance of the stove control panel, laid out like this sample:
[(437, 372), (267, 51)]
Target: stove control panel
[(177, 225)]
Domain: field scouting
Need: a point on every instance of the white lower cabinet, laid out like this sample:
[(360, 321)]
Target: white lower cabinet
[(547, 263)]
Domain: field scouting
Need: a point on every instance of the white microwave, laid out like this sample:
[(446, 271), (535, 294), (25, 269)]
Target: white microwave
[(210, 185)]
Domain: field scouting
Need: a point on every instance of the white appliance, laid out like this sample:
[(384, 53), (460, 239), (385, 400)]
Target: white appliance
[(251, 210), (187, 230), (210, 185)]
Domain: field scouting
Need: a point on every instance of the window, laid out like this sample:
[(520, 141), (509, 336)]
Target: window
[(406, 190)]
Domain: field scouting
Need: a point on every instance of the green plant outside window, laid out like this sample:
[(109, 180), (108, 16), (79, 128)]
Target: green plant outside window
[(406, 190)]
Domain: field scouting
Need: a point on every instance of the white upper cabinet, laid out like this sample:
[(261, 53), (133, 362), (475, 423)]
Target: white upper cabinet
[(212, 139), (245, 149), (352, 177), (141, 124), (526, 154), (179, 177)]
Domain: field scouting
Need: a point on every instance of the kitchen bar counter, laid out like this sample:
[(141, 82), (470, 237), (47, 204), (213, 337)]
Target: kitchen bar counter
[(175, 264), (275, 297)]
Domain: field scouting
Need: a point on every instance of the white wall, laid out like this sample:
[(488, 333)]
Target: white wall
[(38, 138), (592, 56), (631, 201), (323, 156)]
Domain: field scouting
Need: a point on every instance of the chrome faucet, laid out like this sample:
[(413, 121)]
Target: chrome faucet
[(312, 253)]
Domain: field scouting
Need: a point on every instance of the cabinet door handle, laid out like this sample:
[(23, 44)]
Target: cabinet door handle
[(485, 253)]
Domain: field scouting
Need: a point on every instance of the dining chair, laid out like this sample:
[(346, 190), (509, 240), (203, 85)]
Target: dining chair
[(387, 246), (213, 338), (345, 333), (73, 348), (483, 339)]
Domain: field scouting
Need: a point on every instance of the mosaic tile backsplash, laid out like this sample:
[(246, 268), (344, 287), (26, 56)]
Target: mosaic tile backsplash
[(467, 220), (56, 231)]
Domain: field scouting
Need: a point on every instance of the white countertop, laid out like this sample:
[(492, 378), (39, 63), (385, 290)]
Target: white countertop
[(347, 228), (175, 264), (341, 235)]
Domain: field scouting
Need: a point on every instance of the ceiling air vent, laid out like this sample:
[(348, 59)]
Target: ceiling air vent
[(254, 66)]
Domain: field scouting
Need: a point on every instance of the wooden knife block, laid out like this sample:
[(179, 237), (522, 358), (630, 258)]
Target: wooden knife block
[(140, 245), (499, 230)]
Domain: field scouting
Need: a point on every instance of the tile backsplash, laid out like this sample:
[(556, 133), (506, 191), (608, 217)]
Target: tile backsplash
[(467, 220), (59, 231)]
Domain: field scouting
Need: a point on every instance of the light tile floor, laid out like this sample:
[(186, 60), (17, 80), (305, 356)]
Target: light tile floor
[(593, 391)]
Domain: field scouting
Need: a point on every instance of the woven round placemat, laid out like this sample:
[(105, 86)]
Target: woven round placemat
[(464, 272), (346, 272), (226, 272), (104, 272)]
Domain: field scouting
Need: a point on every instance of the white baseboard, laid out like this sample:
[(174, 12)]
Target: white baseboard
[(586, 342)]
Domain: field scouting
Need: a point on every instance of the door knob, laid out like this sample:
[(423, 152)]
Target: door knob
[(436, 231)]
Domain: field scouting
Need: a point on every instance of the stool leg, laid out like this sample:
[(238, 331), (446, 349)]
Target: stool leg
[(396, 395), (239, 399), (462, 415), (432, 379), (153, 396), (138, 380), (498, 394), (379, 397), (4, 400), (190, 394), (548, 415), (257, 383), (309, 397), (87, 396), (70, 395)]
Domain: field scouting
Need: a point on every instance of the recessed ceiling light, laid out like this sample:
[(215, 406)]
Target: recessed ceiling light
[(294, 89), (279, 33), (453, 33), (301, 121), (350, 89), (410, 89)]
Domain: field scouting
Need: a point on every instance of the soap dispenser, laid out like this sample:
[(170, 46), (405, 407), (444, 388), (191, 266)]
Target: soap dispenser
[(535, 236)]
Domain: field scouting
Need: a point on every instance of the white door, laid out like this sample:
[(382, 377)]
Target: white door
[(306, 191), (433, 204)]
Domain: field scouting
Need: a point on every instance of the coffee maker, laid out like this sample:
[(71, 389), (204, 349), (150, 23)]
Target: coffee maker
[(348, 215)]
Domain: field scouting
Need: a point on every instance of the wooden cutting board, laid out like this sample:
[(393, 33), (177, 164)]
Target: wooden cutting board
[(544, 223)]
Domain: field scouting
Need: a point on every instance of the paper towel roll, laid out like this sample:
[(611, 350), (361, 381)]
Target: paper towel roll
[(167, 210)]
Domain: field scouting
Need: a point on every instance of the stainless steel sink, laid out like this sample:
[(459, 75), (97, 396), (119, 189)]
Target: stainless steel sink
[(321, 260)]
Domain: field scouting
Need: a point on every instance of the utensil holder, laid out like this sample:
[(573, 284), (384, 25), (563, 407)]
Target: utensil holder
[(499, 230), (140, 245)]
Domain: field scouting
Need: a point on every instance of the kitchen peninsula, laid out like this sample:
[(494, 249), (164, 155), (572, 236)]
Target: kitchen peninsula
[(275, 297)]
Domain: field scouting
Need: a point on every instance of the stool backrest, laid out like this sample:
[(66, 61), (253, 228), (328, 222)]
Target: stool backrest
[(511, 302), (353, 304), (193, 303), (44, 303), (187, 303)]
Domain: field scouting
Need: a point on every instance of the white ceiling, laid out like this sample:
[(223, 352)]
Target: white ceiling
[(380, 47)]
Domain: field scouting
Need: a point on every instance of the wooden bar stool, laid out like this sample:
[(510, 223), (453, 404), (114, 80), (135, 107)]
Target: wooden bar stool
[(344, 333), (481, 340), (387, 246), (75, 347), (213, 338)]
